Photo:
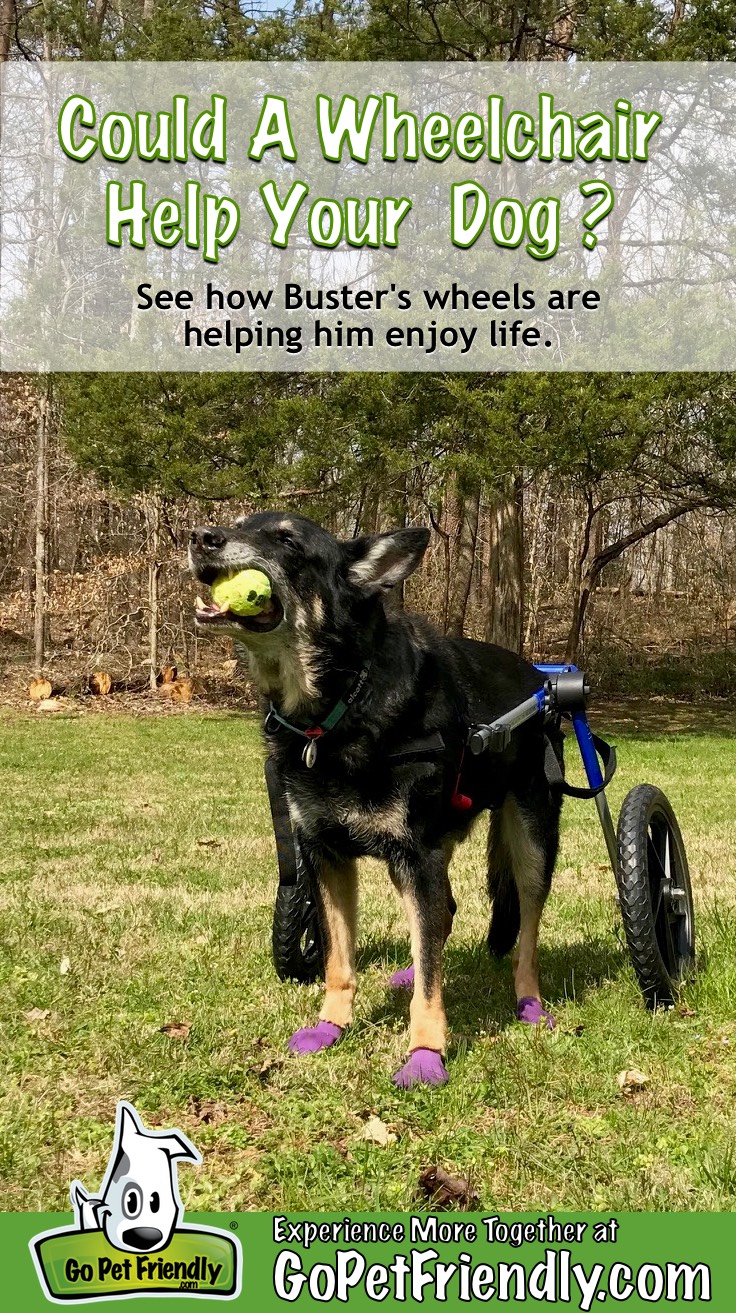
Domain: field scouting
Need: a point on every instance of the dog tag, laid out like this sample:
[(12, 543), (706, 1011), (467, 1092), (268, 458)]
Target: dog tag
[(309, 755)]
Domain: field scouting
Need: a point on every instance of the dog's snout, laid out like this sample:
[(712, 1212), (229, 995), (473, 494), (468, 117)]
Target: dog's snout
[(209, 539), (142, 1237)]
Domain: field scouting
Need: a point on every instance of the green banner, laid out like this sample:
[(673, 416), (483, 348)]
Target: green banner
[(578, 1261), (77, 1266)]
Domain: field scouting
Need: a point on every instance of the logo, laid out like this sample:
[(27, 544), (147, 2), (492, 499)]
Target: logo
[(129, 1239)]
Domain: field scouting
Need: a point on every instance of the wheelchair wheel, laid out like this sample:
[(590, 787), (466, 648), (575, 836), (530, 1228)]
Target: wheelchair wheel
[(297, 936), (655, 894)]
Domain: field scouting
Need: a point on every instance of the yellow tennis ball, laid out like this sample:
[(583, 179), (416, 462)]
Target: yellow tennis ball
[(246, 593)]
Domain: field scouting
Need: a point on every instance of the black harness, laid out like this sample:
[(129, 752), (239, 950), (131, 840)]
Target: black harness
[(290, 858)]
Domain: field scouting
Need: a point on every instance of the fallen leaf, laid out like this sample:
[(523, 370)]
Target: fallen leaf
[(156, 855), (230, 666), (377, 1132), (270, 1064), (176, 1029), (65, 966), (445, 1191), (37, 1014), (208, 1112), (684, 1011), (210, 843), (632, 1079)]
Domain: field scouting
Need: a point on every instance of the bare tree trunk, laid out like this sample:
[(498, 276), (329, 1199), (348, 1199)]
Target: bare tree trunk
[(41, 527), (399, 515), (505, 614), (153, 526), (100, 13), (7, 21), (536, 565), (604, 558), (580, 578), (563, 33), (466, 537)]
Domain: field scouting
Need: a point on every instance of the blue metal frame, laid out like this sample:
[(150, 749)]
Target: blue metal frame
[(496, 737), (583, 735)]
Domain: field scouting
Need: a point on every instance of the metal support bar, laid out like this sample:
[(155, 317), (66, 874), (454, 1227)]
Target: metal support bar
[(608, 828), (595, 780), (566, 690), (497, 736)]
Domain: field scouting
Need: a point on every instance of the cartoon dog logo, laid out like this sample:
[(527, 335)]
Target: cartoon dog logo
[(138, 1206)]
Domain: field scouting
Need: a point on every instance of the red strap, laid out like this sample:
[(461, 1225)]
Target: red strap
[(460, 801)]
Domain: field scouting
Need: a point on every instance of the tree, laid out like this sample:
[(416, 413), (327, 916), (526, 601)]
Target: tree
[(467, 515), (41, 525)]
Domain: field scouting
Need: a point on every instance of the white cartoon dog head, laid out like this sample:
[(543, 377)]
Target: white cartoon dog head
[(138, 1205)]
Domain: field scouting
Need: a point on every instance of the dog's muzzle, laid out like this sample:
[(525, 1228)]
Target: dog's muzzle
[(209, 563)]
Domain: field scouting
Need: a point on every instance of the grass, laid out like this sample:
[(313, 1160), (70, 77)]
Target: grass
[(103, 863)]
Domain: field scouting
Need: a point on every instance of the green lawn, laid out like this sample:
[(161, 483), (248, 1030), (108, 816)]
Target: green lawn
[(103, 864)]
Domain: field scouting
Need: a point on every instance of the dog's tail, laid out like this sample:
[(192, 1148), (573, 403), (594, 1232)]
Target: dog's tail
[(505, 915)]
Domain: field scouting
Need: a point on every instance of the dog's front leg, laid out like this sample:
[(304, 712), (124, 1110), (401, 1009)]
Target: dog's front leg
[(337, 887), (422, 884)]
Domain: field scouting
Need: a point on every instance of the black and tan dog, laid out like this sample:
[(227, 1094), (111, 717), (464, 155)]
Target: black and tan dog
[(371, 709)]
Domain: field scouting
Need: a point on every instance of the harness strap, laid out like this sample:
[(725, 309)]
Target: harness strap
[(286, 850), (419, 749), (556, 779)]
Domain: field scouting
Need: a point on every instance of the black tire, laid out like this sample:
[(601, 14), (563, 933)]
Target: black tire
[(297, 935), (655, 894)]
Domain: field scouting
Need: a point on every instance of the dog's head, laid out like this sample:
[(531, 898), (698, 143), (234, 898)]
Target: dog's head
[(325, 593), (138, 1206)]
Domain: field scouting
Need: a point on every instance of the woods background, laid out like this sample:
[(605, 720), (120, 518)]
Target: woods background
[(591, 517)]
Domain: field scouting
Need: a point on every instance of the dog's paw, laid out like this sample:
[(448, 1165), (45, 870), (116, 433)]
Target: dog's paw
[(313, 1038), (530, 1010), (403, 979), (424, 1067)]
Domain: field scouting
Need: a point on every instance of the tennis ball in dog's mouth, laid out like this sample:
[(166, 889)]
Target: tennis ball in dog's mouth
[(246, 593)]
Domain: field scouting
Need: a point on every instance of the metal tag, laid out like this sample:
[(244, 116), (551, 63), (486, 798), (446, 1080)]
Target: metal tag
[(309, 755)]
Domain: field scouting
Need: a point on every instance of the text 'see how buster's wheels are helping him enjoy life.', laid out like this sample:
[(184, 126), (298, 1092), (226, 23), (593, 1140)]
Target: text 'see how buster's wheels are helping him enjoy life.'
[(647, 853)]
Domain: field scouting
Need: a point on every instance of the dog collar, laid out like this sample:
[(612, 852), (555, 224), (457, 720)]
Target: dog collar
[(314, 732)]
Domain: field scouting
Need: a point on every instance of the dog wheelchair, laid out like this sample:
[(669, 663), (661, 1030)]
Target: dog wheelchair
[(646, 850)]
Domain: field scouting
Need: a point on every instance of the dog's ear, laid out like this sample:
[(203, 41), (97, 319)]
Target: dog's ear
[(129, 1124), (381, 560), (177, 1145)]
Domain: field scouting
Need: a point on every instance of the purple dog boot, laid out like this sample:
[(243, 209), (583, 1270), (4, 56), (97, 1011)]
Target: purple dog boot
[(424, 1067), (314, 1038), (530, 1010), (403, 979)]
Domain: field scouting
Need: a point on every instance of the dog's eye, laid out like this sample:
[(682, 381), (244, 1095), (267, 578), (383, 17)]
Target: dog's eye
[(286, 540), (155, 1202), (132, 1201)]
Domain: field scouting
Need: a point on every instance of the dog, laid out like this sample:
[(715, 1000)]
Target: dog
[(138, 1205), (368, 710)]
